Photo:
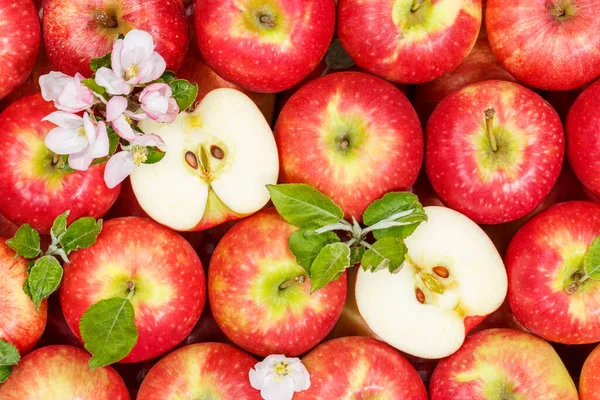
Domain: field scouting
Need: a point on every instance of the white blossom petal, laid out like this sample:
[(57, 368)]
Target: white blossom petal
[(279, 382), (89, 127), (64, 119), (115, 58), (153, 68), (123, 128), (149, 139), (114, 84), (274, 390), (52, 84), (81, 161), (116, 107), (65, 141), (118, 167), (137, 47), (100, 146)]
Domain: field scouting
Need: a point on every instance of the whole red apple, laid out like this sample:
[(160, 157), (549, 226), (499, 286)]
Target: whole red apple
[(34, 188), (20, 38), (76, 31), (213, 371), (544, 262), (364, 368), (589, 383), (502, 364), (494, 151), (168, 277), (247, 296), (412, 41), (20, 324), (351, 135), (549, 44), (264, 46), (62, 372)]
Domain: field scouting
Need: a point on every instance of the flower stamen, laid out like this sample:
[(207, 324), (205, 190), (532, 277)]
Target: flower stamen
[(139, 154)]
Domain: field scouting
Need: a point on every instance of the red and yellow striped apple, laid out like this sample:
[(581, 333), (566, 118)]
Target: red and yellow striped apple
[(589, 382)]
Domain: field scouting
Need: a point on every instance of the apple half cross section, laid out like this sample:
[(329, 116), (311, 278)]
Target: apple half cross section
[(453, 276), (219, 159)]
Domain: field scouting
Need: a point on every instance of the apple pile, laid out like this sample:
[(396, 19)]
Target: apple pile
[(300, 199)]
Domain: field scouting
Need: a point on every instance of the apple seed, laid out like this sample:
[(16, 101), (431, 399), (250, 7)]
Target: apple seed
[(420, 295), (442, 272), (191, 159), (216, 152)]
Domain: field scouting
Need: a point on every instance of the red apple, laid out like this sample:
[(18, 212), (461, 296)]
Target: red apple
[(544, 262), (34, 190), (264, 46), (503, 364), (20, 38), (246, 272), (213, 371), (20, 324), (589, 383), (62, 372), (499, 172), (75, 31), (549, 44), (364, 368), (410, 41), (7, 228), (168, 276), (351, 135), (583, 144)]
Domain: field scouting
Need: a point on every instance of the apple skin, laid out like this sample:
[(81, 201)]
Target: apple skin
[(589, 383), (20, 324), (546, 51), (32, 190), (20, 37), (583, 145), (245, 272), (502, 364), (71, 53), (214, 371), (62, 372), (365, 369), (377, 122), (494, 187), (246, 52), (165, 268), (439, 38), (541, 261)]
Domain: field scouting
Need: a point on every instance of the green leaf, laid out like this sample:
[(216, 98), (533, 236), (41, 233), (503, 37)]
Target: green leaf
[(44, 278), (81, 234), (304, 206), (154, 155), (305, 244), (26, 242), (391, 205), (26, 289), (59, 227), (356, 254), (167, 77), (388, 253), (184, 93), (337, 58), (113, 140), (100, 62), (591, 260), (5, 371), (331, 262), (108, 330), (9, 355), (94, 87)]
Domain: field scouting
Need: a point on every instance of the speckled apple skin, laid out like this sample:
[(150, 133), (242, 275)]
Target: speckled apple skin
[(20, 37), (589, 381), (168, 275), (246, 269), (385, 149), (213, 371), (62, 372), (494, 187), (32, 191), (541, 261)]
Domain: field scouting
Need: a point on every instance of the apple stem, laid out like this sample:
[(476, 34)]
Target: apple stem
[(102, 18), (489, 123), (578, 281), (559, 11), (416, 5), (267, 20), (291, 282), (131, 287)]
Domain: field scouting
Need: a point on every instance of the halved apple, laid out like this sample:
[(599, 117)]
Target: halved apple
[(453, 276), (220, 157)]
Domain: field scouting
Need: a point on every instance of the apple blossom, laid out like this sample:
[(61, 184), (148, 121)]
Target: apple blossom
[(67, 92), (133, 62), (278, 377), (158, 103), (116, 110)]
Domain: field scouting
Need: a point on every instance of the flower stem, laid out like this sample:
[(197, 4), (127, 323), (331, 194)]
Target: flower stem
[(291, 282)]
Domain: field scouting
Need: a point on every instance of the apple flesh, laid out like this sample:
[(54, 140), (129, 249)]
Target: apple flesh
[(351, 135), (34, 189), (589, 383), (426, 311), (168, 278), (265, 46), (503, 364), (20, 37), (76, 31), (62, 372), (213, 371), (409, 41), (494, 151), (251, 307), (544, 262), (219, 159), (365, 368), (555, 46)]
